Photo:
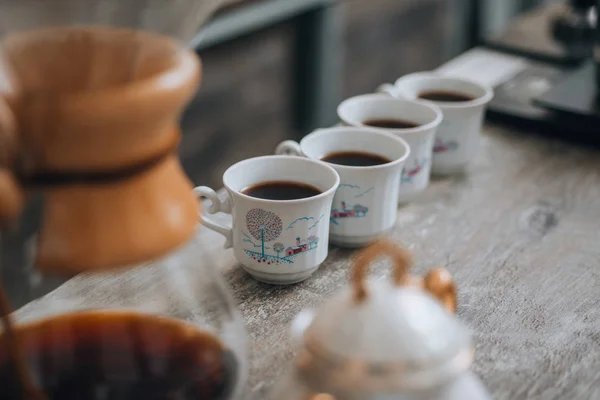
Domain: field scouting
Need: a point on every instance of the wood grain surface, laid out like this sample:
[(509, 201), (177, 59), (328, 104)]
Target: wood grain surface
[(519, 233)]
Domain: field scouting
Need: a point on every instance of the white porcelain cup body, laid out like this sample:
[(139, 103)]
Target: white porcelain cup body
[(417, 168), (457, 138), (276, 241), (365, 204)]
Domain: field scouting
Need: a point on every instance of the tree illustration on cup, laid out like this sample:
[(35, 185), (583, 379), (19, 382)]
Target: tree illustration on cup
[(265, 227)]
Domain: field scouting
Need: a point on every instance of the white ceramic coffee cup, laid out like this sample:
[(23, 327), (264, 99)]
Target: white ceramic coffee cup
[(276, 241), (457, 138), (415, 175), (365, 204)]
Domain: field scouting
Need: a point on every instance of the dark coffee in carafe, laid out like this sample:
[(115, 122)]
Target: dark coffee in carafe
[(118, 355)]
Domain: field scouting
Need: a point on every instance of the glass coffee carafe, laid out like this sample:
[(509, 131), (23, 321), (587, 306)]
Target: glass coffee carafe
[(91, 92), (167, 329)]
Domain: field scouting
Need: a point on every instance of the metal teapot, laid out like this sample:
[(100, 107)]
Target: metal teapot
[(384, 340)]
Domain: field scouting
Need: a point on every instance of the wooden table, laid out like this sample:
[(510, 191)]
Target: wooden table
[(518, 233)]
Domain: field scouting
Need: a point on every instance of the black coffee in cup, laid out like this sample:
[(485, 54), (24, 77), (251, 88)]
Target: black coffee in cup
[(281, 190), (389, 123), (445, 96), (355, 158)]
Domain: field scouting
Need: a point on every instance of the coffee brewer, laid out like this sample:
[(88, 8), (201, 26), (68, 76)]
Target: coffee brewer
[(90, 96), (384, 340), (574, 28)]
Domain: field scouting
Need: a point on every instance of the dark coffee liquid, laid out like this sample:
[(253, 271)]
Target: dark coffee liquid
[(110, 356), (355, 159), (445, 96), (391, 123), (281, 190)]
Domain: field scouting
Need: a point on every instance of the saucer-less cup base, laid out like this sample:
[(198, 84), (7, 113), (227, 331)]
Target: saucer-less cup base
[(365, 205), (441, 170), (417, 168), (355, 242), (279, 279), (277, 242), (457, 138)]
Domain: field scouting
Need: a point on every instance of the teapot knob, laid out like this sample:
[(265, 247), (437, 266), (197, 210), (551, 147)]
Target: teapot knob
[(440, 284)]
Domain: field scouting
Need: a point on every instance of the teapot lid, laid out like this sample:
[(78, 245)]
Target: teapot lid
[(389, 333)]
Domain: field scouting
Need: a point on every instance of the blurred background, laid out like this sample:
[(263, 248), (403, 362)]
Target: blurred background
[(276, 69)]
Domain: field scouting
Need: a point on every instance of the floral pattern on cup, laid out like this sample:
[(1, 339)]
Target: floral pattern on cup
[(410, 172), (348, 210), (445, 146), (265, 227), (460, 131)]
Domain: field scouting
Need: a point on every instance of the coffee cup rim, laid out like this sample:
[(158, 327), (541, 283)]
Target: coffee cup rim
[(486, 97), (370, 131), (439, 116), (240, 164)]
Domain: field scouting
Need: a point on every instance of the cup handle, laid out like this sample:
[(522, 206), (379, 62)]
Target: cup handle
[(289, 148), (388, 89), (217, 205), (391, 90)]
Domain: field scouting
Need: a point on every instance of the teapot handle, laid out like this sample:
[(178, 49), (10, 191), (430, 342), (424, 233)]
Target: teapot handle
[(438, 282), (402, 263)]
